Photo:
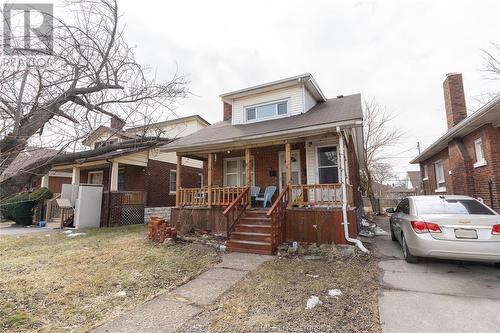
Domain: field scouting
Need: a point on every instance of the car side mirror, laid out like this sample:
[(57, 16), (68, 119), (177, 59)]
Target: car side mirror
[(390, 210)]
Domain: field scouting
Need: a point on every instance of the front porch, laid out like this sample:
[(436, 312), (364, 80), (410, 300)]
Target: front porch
[(306, 204)]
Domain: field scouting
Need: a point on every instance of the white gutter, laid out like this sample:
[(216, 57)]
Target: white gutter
[(357, 242)]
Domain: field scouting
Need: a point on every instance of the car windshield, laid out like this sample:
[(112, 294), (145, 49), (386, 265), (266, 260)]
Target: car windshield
[(451, 206)]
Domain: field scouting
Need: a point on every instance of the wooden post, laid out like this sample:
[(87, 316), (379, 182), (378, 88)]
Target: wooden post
[(288, 164), (248, 179), (75, 177), (210, 177), (114, 177), (178, 177)]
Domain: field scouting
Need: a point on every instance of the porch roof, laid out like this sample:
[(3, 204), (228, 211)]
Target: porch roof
[(344, 111)]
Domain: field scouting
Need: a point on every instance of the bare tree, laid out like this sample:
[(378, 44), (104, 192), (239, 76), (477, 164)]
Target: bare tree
[(378, 135), (90, 76)]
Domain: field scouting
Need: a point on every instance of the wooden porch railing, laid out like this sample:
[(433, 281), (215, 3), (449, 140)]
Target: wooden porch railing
[(132, 197), (320, 195), (277, 214), (235, 210), (221, 196), (67, 215)]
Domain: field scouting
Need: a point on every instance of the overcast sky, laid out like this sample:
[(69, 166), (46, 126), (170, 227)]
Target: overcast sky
[(395, 51)]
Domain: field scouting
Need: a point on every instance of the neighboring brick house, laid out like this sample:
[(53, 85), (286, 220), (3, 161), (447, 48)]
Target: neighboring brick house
[(289, 143), (466, 160), (142, 176)]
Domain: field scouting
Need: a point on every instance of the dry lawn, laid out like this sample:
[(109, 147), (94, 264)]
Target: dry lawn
[(58, 284), (273, 299)]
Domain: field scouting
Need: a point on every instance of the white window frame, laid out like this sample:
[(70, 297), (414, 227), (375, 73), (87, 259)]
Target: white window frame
[(174, 173), (479, 152), (426, 173), (286, 101), (317, 161), (200, 174), (440, 186), (91, 173), (281, 158), (241, 170)]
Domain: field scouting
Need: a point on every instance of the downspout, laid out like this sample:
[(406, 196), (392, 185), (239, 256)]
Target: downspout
[(357, 242)]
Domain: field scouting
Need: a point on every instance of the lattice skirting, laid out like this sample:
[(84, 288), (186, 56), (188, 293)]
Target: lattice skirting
[(132, 214)]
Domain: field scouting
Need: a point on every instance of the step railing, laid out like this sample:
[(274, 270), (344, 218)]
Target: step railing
[(277, 213), (67, 216), (53, 211), (234, 211)]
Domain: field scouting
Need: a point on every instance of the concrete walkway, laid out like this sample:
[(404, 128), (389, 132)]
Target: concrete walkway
[(11, 229), (436, 295), (170, 310)]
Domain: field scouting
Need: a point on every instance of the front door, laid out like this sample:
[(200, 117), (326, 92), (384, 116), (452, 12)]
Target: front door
[(295, 168)]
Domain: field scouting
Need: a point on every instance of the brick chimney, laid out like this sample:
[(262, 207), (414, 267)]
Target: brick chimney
[(454, 99), (117, 123), (228, 111)]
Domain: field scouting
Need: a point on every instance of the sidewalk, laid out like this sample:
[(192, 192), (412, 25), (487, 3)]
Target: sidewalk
[(170, 310)]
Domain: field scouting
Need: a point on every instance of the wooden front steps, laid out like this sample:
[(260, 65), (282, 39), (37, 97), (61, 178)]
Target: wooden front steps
[(252, 234)]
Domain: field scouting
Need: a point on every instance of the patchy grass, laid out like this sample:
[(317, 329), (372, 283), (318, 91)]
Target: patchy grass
[(50, 282), (273, 298)]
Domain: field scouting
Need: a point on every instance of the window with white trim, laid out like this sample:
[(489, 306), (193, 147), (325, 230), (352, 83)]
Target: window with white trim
[(267, 111), (235, 171), (200, 180), (426, 173), (478, 147), (440, 180), (172, 185), (95, 177), (328, 166)]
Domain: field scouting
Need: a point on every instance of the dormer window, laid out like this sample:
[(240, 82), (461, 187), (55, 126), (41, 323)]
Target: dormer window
[(267, 111)]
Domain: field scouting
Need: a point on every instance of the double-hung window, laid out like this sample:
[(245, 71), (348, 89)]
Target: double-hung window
[(173, 182), (267, 111), (440, 181), (478, 147), (328, 166), (235, 171)]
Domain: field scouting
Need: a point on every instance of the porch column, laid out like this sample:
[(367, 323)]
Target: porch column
[(113, 185), (288, 164), (178, 177), (45, 181), (75, 177), (248, 178), (210, 177)]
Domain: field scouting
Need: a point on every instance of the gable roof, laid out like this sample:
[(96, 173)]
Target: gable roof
[(333, 112), (487, 114), (129, 132), (414, 177), (26, 157), (307, 79)]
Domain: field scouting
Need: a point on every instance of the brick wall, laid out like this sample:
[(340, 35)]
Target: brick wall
[(55, 183), (465, 179), (228, 111), (430, 183), (157, 182), (454, 99)]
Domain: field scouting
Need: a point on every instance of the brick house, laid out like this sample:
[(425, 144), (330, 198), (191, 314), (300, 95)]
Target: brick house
[(284, 138), (465, 160), (136, 181)]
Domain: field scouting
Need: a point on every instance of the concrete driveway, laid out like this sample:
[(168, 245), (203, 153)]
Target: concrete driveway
[(11, 229), (436, 295)]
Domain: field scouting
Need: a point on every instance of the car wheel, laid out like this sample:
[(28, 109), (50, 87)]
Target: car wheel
[(393, 236), (406, 252)]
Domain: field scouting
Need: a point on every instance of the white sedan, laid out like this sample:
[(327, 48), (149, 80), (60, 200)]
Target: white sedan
[(447, 227)]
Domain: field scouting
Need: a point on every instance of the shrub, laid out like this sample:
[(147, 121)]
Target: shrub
[(20, 208)]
